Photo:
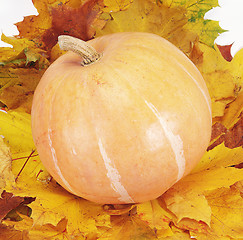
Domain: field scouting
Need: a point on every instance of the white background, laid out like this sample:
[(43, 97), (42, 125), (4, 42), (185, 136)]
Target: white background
[(229, 14)]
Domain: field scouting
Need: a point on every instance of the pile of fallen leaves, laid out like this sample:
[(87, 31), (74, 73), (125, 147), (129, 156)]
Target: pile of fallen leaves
[(207, 204)]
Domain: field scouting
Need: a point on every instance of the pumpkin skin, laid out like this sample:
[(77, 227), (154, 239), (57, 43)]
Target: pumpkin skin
[(125, 128)]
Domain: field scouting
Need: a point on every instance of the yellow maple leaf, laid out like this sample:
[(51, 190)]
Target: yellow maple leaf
[(18, 44), (17, 87), (6, 164), (156, 217), (224, 79), (147, 16), (36, 232), (186, 198), (191, 205), (227, 212), (128, 227), (220, 156), (195, 11), (116, 5), (8, 233), (196, 229), (52, 201), (178, 234), (16, 128), (233, 112)]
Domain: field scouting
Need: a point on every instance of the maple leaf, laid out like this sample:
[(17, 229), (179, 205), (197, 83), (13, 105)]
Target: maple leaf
[(74, 22), (232, 138), (224, 79), (233, 113), (128, 227), (16, 128), (5, 166), (18, 44), (21, 69), (225, 51), (57, 18), (227, 212), (11, 233), (220, 156), (147, 16), (24, 53), (196, 9), (186, 199), (8, 202), (17, 87), (156, 217), (46, 231), (116, 5)]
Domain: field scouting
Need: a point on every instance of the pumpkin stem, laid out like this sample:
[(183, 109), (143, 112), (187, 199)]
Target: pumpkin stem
[(80, 47)]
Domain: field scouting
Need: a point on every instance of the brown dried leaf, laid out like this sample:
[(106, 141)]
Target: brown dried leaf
[(58, 19), (232, 138), (8, 202), (76, 22), (225, 51)]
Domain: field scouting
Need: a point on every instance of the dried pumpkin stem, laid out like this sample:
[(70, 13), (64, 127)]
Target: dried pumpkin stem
[(80, 47)]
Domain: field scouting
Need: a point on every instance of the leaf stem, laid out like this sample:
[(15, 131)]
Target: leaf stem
[(24, 164), (24, 157)]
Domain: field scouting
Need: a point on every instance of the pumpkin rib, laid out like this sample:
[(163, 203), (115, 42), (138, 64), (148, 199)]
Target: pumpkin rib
[(180, 160), (190, 76), (85, 172), (114, 176), (138, 94), (112, 172), (45, 137), (50, 142), (174, 140), (178, 62), (197, 84)]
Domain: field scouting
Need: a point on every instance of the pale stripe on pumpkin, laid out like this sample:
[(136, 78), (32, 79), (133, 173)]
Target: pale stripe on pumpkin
[(114, 176), (54, 156), (174, 140), (201, 90)]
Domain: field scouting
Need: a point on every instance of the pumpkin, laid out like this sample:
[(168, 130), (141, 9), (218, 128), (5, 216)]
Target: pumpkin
[(120, 118)]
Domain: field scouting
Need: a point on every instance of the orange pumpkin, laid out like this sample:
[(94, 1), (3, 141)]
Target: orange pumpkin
[(123, 120)]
